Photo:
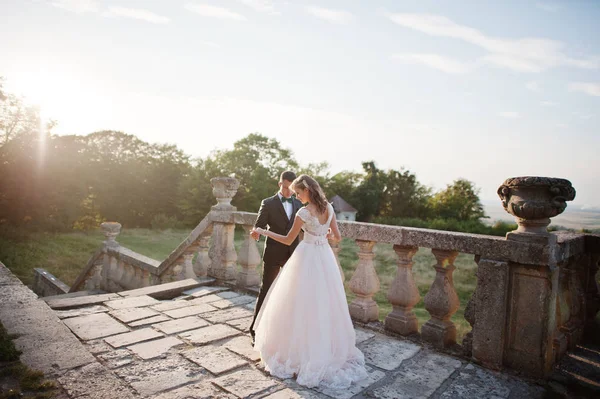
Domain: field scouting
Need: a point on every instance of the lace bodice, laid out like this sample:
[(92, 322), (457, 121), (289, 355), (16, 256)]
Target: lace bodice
[(312, 224)]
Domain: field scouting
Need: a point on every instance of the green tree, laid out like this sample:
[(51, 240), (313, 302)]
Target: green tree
[(369, 192), (459, 200), (404, 196)]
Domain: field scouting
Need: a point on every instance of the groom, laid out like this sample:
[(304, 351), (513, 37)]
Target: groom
[(277, 212)]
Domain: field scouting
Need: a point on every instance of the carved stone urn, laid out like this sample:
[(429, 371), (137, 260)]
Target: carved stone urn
[(534, 200), (111, 230), (224, 188)]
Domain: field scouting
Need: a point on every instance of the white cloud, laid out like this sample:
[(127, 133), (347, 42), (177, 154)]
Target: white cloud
[(549, 103), (436, 61), (264, 6), (593, 89), (78, 6), (329, 15), (509, 114), (522, 55), (550, 7), (137, 13), (533, 86), (213, 11)]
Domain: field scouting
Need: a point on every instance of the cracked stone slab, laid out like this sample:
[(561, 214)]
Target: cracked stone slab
[(478, 384), (133, 337), (289, 393), (215, 359), (362, 335), (165, 290), (156, 348), (151, 377), (209, 334), (94, 326), (181, 325), (97, 346), (80, 301), (95, 382), (133, 302), (221, 316), (373, 376), (190, 311), (148, 321), (206, 299), (228, 294), (202, 291), (132, 314), (244, 383), (171, 305), (387, 353), (203, 390), (65, 314), (421, 379), (243, 346), (241, 324), (235, 301), (115, 359)]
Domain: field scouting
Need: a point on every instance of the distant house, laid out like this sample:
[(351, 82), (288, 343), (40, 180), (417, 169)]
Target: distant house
[(343, 210)]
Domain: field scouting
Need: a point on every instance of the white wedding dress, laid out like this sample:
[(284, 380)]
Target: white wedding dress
[(304, 326)]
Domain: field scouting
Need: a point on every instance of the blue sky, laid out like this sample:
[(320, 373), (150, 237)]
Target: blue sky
[(483, 90)]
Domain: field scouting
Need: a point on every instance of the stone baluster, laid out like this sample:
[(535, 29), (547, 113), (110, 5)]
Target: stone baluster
[(249, 258), (94, 281), (202, 262), (441, 301), (188, 266), (109, 264), (364, 284), (128, 279), (335, 247), (146, 280), (222, 252), (403, 294)]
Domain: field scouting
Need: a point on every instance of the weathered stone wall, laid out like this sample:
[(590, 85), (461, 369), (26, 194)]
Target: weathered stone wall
[(45, 284)]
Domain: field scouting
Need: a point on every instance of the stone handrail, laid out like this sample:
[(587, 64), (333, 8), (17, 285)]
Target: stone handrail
[(534, 293)]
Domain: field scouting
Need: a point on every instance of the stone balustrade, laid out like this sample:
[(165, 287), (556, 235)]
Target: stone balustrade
[(535, 290)]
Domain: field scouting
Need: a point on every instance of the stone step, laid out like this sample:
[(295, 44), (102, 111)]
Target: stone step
[(73, 295), (169, 290), (80, 301)]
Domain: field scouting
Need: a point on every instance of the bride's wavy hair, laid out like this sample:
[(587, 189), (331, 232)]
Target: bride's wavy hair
[(315, 192)]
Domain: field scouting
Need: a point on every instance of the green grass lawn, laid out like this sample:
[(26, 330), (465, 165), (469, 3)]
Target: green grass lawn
[(64, 255)]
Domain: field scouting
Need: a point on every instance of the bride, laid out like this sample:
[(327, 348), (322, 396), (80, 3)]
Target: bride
[(304, 327)]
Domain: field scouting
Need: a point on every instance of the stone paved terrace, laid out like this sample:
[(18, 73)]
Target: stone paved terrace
[(131, 345)]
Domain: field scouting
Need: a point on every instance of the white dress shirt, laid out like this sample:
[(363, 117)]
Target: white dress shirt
[(287, 206)]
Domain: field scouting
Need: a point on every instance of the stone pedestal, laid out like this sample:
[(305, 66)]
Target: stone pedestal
[(364, 284), (403, 294)]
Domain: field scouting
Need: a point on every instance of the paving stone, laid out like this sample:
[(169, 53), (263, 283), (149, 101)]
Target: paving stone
[(166, 290), (250, 306), (94, 326), (215, 359), (387, 353), (118, 358), (132, 314), (97, 346), (133, 302), (170, 305), (241, 324), (148, 321), (156, 348), (133, 337), (228, 294), (190, 311), (242, 346), (64, 314), (354, 389), (203, 390), (209, 334), (206, 299), (180, 325), (202, 291), (476, 382), (80, 301), (221, 316), (288, 393), (421, 379), (94, 381), (244, 383), (362, 335), (154, 376), (236, 301)]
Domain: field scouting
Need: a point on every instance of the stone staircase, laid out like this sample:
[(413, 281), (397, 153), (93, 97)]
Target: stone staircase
[(194, 345)]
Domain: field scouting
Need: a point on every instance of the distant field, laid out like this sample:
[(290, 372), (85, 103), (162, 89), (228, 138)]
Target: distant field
[(572, 218)]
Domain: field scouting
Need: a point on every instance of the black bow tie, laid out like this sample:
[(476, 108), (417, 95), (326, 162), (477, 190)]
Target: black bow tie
[(290, 200)]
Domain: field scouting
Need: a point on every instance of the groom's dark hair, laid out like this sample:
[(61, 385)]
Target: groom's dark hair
[(287, 175)]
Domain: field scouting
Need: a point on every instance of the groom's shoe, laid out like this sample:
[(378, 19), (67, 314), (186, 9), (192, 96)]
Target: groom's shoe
[(252, 337)]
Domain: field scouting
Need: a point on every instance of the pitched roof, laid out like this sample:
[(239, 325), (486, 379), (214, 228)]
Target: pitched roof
[(339, 205)]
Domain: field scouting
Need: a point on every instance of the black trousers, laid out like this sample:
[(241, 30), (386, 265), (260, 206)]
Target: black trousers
[(270, 272)]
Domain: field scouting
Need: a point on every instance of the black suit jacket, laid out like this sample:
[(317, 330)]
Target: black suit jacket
[(272, 214)]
